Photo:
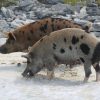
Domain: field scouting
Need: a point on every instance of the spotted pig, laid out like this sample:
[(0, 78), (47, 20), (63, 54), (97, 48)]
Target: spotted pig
[(25, 36), (61, 47)]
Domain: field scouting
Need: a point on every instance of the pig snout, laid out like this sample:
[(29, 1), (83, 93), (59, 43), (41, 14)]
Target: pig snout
[(27, 73), (3, 50)]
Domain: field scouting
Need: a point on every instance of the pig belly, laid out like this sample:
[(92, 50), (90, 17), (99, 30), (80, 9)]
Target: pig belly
[(66, 58)]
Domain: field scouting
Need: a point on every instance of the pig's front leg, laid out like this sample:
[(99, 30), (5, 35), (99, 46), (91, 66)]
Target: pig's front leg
[(50, 73)]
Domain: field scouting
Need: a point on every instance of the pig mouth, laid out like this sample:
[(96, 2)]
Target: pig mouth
[(27, 74), (3, 50)]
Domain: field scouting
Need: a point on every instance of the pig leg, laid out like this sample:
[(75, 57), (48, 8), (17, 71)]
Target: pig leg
[(97, 69), (50, 73), (87, 69)]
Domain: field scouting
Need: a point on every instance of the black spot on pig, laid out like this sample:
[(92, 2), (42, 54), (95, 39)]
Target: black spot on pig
[(64, 22), (44, 28), (82, 59), (82, 36), (28, 38), (70, 47), (52, 19), (62, 50), (53, 27), (96, 54), (31, 31), (75, 40), (54, 46), (66, 26), (40, 35), (65, 40), (23, 32), (58, 27), (85, 48)]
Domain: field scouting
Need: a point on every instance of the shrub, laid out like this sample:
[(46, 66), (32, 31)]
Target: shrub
[(98, 1), (7, 2), (73, 2)]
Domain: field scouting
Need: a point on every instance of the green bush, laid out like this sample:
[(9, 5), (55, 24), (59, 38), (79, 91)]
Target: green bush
[(73, 2), (98, 1), (6, 3)]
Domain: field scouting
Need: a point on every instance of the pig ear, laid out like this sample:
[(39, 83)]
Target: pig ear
[(29, 60), (11, 36), (87, 27)]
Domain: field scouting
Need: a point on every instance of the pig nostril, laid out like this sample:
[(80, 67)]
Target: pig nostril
[(30, 74)]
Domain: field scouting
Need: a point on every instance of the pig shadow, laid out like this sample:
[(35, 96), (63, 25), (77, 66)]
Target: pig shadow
[(42, 80)]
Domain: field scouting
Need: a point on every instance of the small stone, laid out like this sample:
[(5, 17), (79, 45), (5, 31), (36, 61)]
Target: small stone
[(18, 64), (7, 12)]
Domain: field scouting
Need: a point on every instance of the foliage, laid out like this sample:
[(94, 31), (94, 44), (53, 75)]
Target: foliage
[(73, 2), (98, 1), (7, 2)]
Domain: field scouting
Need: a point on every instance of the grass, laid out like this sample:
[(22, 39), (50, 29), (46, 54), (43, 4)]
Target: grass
[(10, 2), (98, 1), (6, 3), (73, 2)]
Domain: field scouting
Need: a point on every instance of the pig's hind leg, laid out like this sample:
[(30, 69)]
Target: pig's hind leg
[(87, 69)]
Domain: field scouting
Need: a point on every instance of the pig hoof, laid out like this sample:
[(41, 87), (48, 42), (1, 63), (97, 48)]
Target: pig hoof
[(85, 80), (50, 77), (28, 74)]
